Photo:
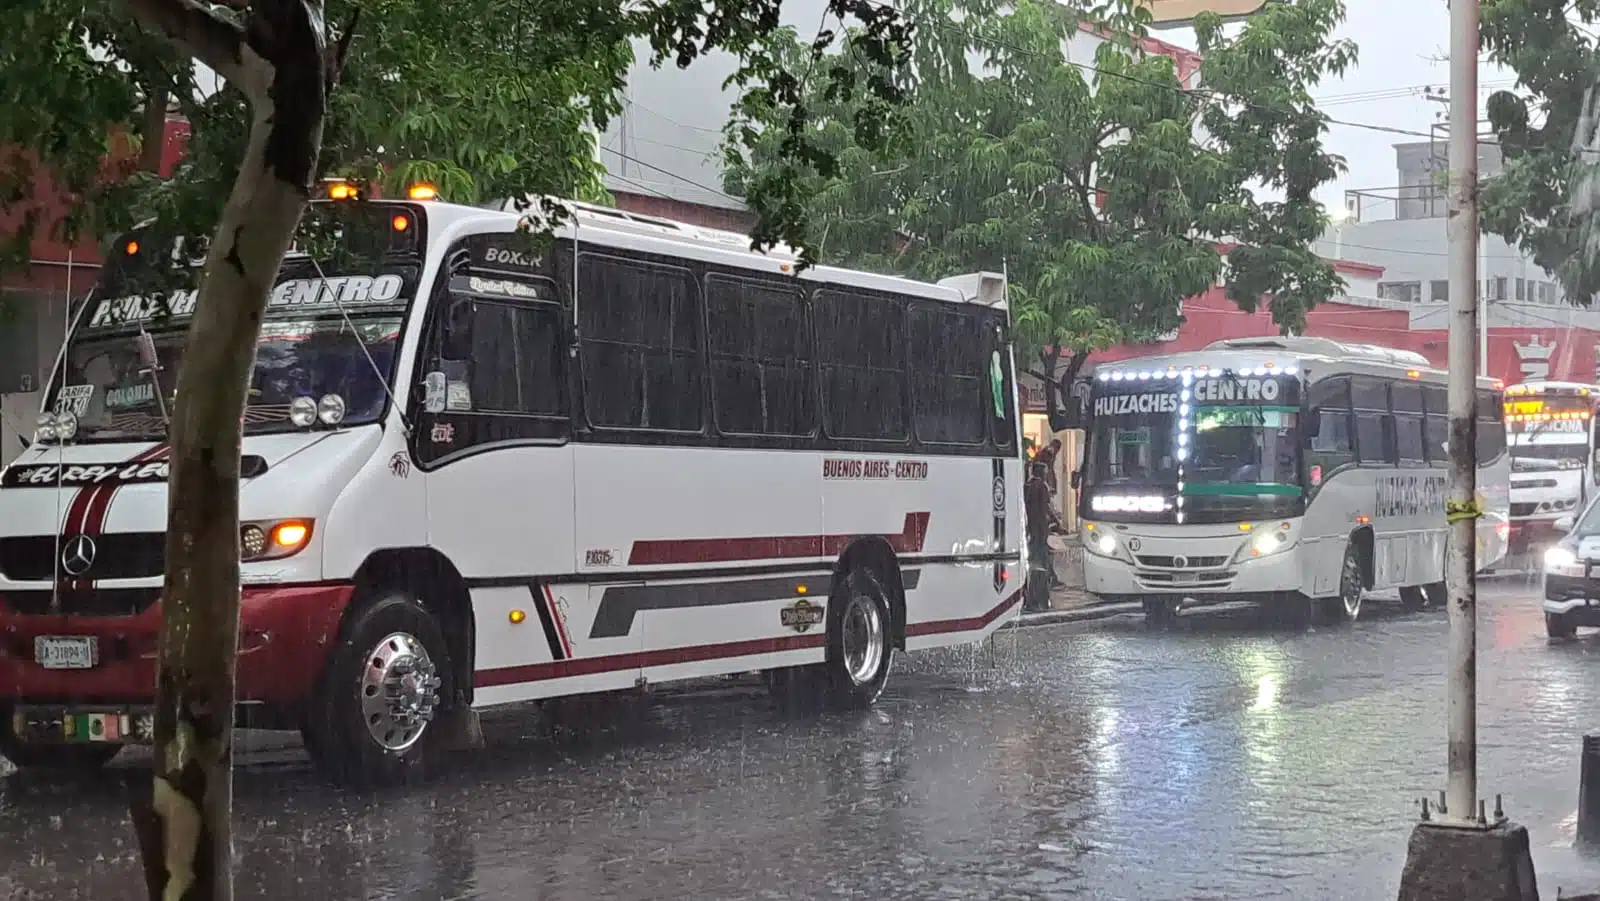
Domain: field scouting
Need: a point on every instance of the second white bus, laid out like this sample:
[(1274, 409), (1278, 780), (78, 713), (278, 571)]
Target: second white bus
[(1297, 472)]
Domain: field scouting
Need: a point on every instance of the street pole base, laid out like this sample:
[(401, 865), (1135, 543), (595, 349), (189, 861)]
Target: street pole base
[(1450, 863)]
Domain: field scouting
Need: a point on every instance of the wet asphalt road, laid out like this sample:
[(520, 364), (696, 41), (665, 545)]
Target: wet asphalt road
[(1227, 760)]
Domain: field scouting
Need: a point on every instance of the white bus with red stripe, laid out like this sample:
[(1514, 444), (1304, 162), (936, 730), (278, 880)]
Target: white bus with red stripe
[(480, 469)]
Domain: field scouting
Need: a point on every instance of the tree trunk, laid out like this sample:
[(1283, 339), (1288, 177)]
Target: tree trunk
[(155, 130), (276, 59)]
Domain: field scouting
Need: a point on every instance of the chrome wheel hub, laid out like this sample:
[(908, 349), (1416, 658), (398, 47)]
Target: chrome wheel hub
[(863, 634), (1350, 586), (399, 691)]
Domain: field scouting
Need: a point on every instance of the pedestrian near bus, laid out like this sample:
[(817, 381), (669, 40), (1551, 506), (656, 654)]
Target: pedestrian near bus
[(1036, 502)]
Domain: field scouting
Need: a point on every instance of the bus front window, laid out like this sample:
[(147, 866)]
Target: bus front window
[(1244, 445)]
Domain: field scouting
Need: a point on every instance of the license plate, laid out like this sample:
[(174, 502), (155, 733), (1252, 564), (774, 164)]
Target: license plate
[(1185, 578), (74, 652)]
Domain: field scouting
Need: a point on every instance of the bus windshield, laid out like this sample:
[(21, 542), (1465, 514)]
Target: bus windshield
[(1217, 461), (108, 387)]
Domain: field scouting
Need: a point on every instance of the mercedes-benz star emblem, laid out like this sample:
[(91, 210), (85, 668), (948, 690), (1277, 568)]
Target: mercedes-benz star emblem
[(1180, 562), (77, 555)]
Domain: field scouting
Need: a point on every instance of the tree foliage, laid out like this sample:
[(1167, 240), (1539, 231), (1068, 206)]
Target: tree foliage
[(1547, 197), (486, 98), (1101, 186)]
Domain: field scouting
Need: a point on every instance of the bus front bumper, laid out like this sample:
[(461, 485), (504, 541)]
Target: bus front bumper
[(285, 636), (1230, 581)]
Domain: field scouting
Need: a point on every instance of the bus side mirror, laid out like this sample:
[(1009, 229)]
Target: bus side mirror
[(1564, 523), (1076, 479), (1314, 424), (1071, 415)]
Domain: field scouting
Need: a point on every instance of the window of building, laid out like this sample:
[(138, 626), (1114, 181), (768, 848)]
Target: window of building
[(1439, 291), (949, 375), (861, 345), (759, 337), (639, 328), (1405, 292), (1522, 289)]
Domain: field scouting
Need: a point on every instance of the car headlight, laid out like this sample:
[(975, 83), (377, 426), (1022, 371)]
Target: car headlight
[(1559, 557)]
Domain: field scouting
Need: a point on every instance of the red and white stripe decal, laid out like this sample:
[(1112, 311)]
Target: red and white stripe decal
[(560, 622), (86, 515)]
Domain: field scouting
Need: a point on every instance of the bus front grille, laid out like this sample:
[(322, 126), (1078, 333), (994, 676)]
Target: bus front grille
[(1188, 562), (123, 555)]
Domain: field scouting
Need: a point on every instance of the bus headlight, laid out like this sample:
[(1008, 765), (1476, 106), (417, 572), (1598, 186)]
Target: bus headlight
[(303, 411), (273, 539), (1265, 543), (1100, 542)]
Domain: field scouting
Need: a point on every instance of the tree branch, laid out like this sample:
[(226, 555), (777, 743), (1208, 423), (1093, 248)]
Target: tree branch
[(195, 30)]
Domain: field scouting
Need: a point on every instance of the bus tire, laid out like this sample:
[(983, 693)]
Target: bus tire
[(1345, 607), (1436, 594), (1559, 627), (1412, 598), (860, 641), (54, 757), (1160, 614), (371, 722)]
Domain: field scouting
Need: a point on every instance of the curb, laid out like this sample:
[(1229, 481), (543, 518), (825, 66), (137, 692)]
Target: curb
[(1077, 615)]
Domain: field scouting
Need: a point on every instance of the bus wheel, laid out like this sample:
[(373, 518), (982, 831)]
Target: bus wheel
[(1412, 598), (57, 757), (1160, 613), (386, 681), (1558, 626), (1346, 607), (1436, 594), (860, 643)]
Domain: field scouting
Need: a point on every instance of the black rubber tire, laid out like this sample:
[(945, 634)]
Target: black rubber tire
[(336, 735), (1412, 598), (1559, 627), (828, 684), (1336, 611), (1436, 594), (1160, 614), (53, 757)]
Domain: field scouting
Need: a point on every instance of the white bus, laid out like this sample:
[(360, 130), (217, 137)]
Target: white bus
[(1295, 472), (488, 470), (1550, 429)]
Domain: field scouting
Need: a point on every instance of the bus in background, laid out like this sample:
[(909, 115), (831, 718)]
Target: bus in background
[(1299, 473), (1550, 428), (480, 470)]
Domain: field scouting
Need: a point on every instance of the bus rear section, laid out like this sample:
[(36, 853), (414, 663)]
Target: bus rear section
[(481, 471), (1550, 429)]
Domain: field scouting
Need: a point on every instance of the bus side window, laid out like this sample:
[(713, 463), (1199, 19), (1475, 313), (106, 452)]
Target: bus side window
[(1406, 397), (1491, 427), (1374, 426), (1435, 406), (1331, 446)]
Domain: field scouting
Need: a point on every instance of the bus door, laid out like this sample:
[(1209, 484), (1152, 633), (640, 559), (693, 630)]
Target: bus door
[(492, 435)]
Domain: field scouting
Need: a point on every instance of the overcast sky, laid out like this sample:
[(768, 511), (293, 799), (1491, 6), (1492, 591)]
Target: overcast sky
[(1403, 46)]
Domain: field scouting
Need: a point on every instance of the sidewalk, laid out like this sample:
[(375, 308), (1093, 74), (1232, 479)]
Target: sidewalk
[(1071, 603)]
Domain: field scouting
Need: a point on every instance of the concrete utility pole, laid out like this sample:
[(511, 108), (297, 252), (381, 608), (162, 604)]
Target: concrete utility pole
[(1464, 854)]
